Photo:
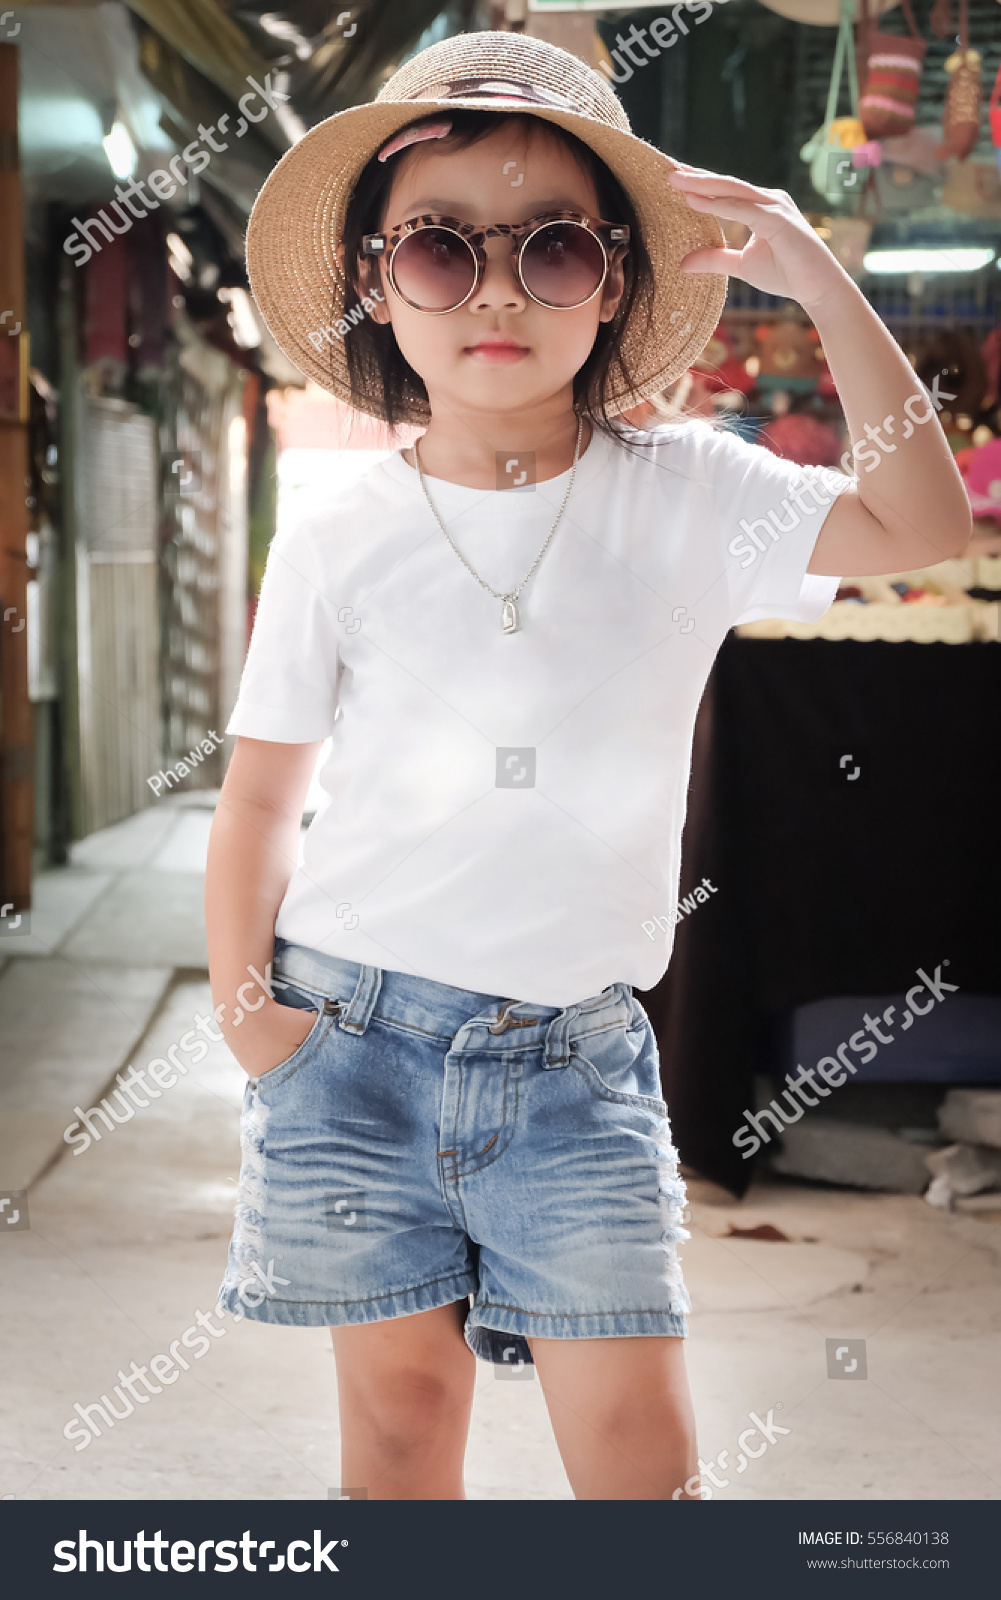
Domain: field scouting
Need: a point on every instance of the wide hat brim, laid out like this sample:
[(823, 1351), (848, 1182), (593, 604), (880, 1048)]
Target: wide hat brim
[(298, 218)]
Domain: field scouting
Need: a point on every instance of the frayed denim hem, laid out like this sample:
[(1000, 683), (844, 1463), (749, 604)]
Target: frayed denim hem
[(348, 1313)]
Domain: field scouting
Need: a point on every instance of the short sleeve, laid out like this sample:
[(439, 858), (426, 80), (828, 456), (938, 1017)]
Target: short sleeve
[(288, 691), (768, 515)]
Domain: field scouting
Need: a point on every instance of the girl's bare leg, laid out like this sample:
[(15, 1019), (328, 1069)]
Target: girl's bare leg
[(405, 1390), (622, 1415)]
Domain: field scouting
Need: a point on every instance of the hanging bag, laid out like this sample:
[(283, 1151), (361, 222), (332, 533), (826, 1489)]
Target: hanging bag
[(974, 188), (961, 113), (832, 172), (892, 76), (900, 190)]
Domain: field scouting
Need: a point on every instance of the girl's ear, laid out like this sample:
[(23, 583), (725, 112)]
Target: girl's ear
[(371, 280), (376, 295), (614, 284), (369, 277)]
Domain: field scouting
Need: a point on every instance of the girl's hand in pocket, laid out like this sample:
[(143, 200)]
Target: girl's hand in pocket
[(269, 1036)]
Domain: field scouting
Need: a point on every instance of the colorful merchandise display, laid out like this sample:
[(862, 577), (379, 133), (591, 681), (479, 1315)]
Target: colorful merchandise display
[(961, 114), (893, 77)]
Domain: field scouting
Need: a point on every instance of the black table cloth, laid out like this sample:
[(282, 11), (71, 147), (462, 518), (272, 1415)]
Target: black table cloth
[(844, 803)]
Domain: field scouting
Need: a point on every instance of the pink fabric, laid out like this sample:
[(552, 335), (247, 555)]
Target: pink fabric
[(869, 154), (905, 63), (983, 480), (982, 506), (913, 149), (885, 102), (802, 438), (413, 135)]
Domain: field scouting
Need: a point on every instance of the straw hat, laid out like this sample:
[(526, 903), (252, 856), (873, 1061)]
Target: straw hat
[(298, 218)]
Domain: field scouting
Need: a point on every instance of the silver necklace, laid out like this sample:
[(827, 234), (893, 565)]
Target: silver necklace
[(510, 617)]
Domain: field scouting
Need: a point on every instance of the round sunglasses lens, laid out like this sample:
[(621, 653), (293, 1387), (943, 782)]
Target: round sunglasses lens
[(562, 265), (434, 269)]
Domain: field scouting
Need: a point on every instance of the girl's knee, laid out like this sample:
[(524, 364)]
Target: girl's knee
[(635, 1420), (406, 1406)]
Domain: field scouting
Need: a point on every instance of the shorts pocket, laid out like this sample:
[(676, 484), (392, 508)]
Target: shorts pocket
[(303, 1052), (621, 1065)]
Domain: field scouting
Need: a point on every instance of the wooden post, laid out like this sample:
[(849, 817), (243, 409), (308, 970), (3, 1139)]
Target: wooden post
[(16, 735), (68, 823)]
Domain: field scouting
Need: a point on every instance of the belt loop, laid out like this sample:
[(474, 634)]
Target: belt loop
[(558, 1038), (357, 1014)]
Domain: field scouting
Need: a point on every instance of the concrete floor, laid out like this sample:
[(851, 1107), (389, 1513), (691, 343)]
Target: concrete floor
[(127, 1240)]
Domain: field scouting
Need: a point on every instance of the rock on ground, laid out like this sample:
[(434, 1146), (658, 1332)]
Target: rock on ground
[(850, 1153), (972, 1115)]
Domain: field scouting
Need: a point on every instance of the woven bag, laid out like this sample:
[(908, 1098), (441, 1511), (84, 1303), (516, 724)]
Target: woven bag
[(832, 171), (892, 76), (974, 188), (961, 113)]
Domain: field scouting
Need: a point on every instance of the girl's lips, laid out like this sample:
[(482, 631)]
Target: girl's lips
[(497, 354)]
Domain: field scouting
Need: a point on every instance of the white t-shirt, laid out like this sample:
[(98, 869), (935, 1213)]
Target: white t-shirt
[(503, 812)]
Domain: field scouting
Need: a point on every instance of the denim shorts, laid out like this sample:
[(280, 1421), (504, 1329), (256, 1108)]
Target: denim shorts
[(425, 1144)]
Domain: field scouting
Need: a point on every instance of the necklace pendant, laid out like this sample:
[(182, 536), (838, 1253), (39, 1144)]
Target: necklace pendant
[(510, 620)]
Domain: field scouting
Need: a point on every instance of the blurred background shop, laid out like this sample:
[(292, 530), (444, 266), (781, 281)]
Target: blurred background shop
[(846, 774)]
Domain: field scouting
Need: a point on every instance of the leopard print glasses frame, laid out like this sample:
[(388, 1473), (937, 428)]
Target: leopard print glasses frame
[(609, 237)]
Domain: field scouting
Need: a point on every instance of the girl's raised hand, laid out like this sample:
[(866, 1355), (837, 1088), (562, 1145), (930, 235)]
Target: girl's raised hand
[(784, 256)]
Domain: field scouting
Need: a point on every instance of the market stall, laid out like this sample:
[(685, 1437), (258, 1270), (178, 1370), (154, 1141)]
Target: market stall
[(844, 770)]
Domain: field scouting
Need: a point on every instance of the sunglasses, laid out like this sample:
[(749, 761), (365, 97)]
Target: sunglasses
[(435, 264)]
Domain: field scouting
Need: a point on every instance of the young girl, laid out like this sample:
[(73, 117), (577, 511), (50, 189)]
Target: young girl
[(454, 1138)]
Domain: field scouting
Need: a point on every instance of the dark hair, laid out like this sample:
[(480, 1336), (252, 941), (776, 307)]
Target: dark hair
[(374, 359)]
